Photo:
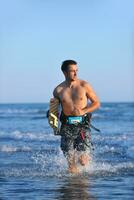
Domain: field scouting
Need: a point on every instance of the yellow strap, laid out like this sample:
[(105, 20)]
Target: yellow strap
[(53, 120)]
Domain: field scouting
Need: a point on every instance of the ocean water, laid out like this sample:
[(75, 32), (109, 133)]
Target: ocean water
[(32, 166)]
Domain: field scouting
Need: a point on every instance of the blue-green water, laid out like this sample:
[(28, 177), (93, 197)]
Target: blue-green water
[(32, 165)]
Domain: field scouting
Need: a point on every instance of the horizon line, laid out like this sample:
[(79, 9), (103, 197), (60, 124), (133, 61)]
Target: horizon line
[(48, 102)]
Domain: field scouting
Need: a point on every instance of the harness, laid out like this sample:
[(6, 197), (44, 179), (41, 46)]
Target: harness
[(84, 120), (76, 120)]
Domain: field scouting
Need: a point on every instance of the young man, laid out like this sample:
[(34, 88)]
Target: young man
[(74, 95)]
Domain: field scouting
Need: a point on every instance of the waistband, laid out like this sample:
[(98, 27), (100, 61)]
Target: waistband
[(83, 119)]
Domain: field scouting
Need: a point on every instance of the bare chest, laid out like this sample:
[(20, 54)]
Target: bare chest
[(75, 94)]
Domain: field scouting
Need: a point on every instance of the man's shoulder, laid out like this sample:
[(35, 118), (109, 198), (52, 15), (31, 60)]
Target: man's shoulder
[(59, 87), (83, 83)]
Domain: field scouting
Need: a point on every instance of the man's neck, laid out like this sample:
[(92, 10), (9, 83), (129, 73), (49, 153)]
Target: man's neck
[(70, 83)]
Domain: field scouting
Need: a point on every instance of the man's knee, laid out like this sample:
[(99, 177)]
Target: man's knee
[(84, 159)]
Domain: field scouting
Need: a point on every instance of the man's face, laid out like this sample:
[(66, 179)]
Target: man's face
[(71, 74)]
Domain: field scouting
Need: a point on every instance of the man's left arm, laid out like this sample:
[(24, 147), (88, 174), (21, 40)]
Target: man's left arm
[(95, 103)]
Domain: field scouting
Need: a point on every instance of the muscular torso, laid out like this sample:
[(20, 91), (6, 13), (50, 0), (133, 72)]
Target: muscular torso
[(72, 97)]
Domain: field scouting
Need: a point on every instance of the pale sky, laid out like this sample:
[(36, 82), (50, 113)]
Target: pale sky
[(36, 36)]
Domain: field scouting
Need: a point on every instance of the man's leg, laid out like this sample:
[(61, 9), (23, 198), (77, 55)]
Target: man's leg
[(72, 162), (69, 152), (83, 145)]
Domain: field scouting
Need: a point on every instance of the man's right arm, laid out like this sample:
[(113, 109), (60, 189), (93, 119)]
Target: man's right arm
[(55, 93)]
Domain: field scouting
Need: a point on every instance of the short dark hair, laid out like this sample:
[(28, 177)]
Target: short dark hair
[(66, 63)]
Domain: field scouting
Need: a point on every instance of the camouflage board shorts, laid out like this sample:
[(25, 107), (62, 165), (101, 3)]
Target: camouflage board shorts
[(75, 137)]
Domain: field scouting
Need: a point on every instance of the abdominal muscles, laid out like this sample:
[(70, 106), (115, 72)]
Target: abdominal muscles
[(69, 105)]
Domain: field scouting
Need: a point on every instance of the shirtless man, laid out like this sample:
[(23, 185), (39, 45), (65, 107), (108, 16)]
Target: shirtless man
[(74, 95)]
